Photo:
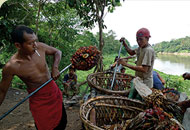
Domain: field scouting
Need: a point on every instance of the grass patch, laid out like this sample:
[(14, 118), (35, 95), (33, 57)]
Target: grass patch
[(172, 81)]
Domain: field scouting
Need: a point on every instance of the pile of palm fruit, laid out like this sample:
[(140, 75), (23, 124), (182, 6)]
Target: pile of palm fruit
[(153, 119), (162, 114), (171, 94), (85, 58), (159, 100)]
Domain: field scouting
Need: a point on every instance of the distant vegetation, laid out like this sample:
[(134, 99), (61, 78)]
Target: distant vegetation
[(181, 45), (60, 26)]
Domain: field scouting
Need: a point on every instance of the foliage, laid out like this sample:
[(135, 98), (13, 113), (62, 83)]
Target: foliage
[(172, 81), (58, 26), (85, 39), (91, 12), (177, 82), (181, 45), (111, 44), (61, 27)]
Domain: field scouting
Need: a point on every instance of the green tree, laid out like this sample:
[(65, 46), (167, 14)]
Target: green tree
[(55, 25), (92, 11), (175, 45)]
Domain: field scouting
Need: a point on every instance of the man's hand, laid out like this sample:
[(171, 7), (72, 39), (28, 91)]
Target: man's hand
[(55, 74), (184, 105), (163, 82), (122, 61), (122, 39), (67, 84), (186, 76)]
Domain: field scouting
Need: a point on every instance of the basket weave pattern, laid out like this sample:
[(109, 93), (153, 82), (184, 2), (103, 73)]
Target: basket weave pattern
[(109, 110), (102, 82)]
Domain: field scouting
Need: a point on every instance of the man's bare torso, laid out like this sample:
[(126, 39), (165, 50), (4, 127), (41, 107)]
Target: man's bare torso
[(32, 71)]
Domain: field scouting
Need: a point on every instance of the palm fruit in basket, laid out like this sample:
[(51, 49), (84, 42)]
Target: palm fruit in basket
[(171, 94), (85, 58), (159, 100), (153, 119)]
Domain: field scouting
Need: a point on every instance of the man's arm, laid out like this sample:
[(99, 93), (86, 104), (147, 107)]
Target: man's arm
[(57, 58), (142, 68), (5, 83), (129, 57), (161, 79), (130, 51)]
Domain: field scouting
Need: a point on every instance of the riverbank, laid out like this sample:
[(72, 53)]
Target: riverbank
[(177, 82), (168, 53)]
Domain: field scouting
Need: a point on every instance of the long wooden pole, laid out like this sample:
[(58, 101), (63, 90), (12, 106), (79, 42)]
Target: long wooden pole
[(116, 67), (44, 84)]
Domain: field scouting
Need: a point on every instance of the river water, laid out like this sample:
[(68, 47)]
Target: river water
[(172, 64)]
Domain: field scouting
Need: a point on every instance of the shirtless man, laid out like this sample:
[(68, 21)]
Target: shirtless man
[(29, 64)]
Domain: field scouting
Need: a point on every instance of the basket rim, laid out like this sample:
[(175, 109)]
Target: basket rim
[(112, 97), (107, 91), (87, 122)]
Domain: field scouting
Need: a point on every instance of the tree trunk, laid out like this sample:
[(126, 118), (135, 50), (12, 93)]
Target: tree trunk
[(101, 45), (37, 20)]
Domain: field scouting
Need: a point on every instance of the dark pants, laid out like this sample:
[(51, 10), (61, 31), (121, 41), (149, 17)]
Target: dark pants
[(63, 122), (133, 94)]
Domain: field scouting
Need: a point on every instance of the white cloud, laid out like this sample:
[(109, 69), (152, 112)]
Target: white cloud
[(1, 2), (166, 20)]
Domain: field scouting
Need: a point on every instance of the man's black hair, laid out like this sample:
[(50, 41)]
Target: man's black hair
[(17, 33), (72, 68)]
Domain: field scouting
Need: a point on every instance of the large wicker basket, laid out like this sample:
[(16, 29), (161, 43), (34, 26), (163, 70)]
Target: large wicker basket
[(109, 110), (102, 81)]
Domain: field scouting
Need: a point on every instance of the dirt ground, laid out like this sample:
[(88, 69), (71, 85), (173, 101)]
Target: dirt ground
[(21, 118)]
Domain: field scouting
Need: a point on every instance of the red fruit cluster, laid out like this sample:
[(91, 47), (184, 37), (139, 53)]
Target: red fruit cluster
[(157, 113), (85, 58), (153, 119), (158, 116)]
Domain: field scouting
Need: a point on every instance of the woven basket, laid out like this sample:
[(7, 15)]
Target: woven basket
[(109, 110), (102, 81)]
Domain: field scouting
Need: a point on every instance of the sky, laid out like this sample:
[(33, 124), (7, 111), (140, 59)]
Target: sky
[(165, 19), (1, 2)]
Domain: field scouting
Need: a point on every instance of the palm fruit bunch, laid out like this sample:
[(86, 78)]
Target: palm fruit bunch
[(153, 119), (157, 99), (171, 94), (85, 58)]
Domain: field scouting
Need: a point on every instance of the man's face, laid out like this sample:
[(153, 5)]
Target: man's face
[(30, 44), (71, 72), (142, 41)]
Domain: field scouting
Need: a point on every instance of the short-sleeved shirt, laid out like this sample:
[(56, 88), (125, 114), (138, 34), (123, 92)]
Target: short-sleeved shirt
[(146, 56), (157, 82)]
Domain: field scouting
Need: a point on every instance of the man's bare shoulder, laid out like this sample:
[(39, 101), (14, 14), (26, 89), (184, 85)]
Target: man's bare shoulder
[(47, 48), (12, 65), (41, 45)]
